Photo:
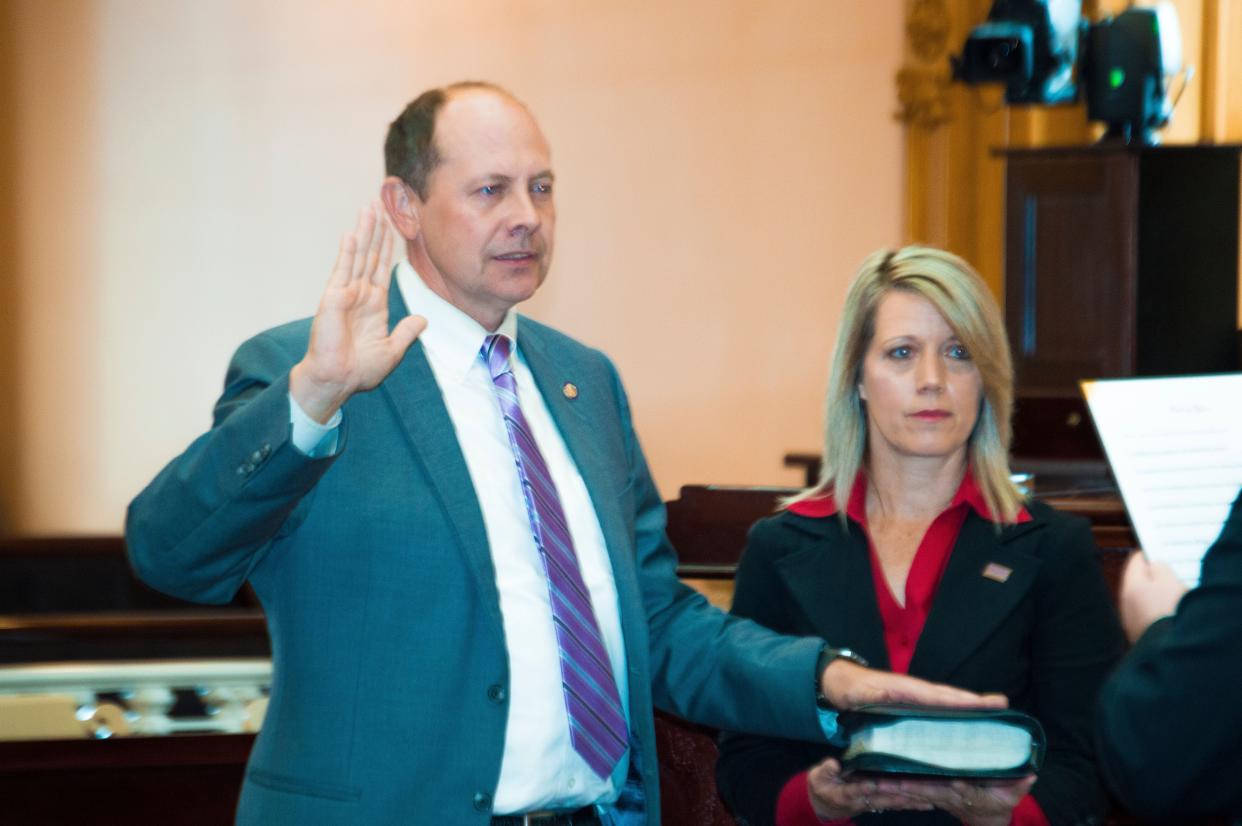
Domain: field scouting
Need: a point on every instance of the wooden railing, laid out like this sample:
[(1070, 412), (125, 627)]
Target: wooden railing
[(708, 524), (73, 599)]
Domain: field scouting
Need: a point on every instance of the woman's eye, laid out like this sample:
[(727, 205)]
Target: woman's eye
[(902, 352), (957, 351)]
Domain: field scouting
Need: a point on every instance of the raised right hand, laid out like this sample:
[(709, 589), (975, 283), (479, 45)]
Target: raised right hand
[(350, 347)]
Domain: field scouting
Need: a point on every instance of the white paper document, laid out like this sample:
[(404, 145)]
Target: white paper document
[(1175, 447)]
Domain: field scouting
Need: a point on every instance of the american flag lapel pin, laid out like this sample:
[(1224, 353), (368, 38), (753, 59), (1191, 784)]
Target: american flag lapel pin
[(997, 572)]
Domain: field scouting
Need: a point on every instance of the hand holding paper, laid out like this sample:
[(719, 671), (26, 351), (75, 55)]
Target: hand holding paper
[(1149, 591)]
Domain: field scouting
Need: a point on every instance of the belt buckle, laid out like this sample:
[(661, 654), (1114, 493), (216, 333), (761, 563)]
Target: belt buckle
[(538, 818), (546, 817)]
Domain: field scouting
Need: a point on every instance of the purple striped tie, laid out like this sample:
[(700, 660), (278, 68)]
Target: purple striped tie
[(597, 725)]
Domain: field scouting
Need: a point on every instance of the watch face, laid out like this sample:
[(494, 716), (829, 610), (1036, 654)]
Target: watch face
[(849, 654)]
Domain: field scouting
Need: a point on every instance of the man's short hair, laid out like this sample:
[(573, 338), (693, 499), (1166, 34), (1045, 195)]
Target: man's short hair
[(410, 151)]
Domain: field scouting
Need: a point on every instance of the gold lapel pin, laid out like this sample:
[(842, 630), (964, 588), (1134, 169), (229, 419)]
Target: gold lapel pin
[(570, 390), (997, 572)]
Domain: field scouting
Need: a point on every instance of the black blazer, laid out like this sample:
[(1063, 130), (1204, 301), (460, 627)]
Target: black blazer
[(1170, 722), (1046, 638)]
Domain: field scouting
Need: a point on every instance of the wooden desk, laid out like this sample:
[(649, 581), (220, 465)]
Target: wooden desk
[(166, 781)]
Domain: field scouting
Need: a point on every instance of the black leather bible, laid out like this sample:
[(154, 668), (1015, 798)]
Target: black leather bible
[(942, 742)]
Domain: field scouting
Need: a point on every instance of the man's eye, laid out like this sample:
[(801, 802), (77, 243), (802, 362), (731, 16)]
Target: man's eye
[(490, 189), (544, 188)]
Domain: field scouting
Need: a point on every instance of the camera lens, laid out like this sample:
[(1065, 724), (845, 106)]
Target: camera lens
[(1003, 56)]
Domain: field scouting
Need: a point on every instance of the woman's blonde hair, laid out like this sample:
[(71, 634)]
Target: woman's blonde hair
[(961, 297)]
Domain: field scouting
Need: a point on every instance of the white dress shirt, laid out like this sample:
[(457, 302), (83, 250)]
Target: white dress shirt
[(540, 768)]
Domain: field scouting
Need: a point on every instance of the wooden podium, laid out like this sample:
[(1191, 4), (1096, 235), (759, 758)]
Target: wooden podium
[(1118, 262)]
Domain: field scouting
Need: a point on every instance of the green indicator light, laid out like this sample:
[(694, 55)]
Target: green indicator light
[(1116, 77)]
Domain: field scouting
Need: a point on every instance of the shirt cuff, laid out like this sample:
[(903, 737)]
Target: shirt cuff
[(1028, 813), (793, 807), (309, 436), (829, 722)]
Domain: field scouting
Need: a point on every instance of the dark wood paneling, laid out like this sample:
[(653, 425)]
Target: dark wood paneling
[(1118, 262), (63, 574), (135, 781), (33, 638), (1069, 303)]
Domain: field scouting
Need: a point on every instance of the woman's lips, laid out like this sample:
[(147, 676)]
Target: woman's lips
[(931, 415)]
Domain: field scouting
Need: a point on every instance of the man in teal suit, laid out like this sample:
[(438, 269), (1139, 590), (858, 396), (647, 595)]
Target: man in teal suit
[(375, 494)]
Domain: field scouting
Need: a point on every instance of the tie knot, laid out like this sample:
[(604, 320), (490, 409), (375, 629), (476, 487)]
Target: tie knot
[(496, 349)]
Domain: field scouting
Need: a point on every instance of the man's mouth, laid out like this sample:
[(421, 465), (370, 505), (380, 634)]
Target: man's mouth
[(521, 255)]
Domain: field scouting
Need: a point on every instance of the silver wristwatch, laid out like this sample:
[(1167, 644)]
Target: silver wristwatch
[(826, 656)]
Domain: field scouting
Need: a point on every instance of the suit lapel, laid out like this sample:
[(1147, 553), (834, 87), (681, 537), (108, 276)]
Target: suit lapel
[(412, 391), (970, 603), (579, 421), (830, 579), (573, 418)]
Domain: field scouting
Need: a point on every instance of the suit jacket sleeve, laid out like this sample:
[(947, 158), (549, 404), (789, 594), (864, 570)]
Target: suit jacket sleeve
[(1075, 641), (752, 770), (207, 519), (705, 665), (1169, 723)]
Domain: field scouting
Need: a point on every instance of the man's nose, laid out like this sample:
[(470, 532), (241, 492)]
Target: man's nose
[(523, 216)]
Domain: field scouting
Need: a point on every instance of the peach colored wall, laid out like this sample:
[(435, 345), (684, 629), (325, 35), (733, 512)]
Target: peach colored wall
[(8, 275), (184, 170)]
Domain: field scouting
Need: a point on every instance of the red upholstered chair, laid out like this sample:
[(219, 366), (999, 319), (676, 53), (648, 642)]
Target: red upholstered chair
[(687, 755)]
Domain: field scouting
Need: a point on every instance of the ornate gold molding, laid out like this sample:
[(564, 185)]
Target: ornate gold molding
[(927, 29), (923, 83), (923, 97)]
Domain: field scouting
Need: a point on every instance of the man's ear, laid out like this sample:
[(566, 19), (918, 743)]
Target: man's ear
[(402, 205)]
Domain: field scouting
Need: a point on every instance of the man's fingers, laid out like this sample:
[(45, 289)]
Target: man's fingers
[(344, 261), (407, 329), (919, 692), (994, 700), (381, 273), (379, 235), (364, 233)]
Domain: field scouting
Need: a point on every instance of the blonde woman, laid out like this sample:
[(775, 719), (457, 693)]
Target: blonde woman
[(917, 552)]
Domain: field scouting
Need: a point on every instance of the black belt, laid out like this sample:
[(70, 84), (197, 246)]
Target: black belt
[(586, 816)]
